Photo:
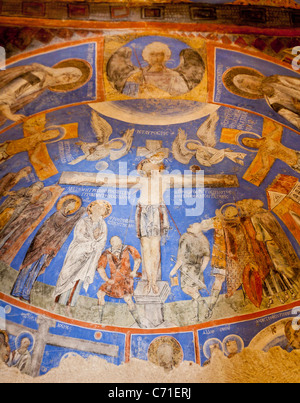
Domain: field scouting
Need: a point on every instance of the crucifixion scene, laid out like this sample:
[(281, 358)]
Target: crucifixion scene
[(139, 206)]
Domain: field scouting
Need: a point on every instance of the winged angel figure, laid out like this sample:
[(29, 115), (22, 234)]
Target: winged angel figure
[(204, 149), (115, 148), (153, 76)]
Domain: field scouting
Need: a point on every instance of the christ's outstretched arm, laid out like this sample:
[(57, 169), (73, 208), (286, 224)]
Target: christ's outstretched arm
[(97, 179)]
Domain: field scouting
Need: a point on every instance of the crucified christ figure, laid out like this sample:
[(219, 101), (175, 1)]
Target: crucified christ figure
[(152, 222)]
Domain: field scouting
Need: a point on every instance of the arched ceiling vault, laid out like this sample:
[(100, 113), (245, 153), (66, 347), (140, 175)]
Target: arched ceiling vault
[(149, 180)]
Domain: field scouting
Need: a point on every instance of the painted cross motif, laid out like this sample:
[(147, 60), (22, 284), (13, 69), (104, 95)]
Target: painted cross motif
[(36, 137), (267, 146)]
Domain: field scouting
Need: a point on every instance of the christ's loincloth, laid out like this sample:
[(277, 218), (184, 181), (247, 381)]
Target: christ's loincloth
[(152, 221)]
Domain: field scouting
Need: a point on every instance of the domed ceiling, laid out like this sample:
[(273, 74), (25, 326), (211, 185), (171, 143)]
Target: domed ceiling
[(150, 198)]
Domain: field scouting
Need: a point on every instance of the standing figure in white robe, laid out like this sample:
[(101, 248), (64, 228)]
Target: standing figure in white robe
[(90, 235)]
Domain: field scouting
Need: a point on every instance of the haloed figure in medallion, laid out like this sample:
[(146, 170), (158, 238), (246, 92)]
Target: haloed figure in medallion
[(21, 85), (282, 93)]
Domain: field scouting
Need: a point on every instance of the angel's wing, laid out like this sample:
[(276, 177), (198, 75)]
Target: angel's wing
[(179, 150), (102, 128), (126, 139), (207, 131)]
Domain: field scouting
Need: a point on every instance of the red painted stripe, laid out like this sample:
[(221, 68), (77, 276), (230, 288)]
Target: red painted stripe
[(131, 331)]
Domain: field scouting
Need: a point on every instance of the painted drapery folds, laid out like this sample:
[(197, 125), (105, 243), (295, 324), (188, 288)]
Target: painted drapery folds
[(149, 200)]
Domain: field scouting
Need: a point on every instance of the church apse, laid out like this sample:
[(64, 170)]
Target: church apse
[(149, 190)]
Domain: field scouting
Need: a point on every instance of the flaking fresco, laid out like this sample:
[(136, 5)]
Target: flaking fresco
[(149, 201)]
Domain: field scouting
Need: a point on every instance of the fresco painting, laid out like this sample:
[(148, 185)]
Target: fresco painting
[(271, 88), (150, 202), (154, 67)]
